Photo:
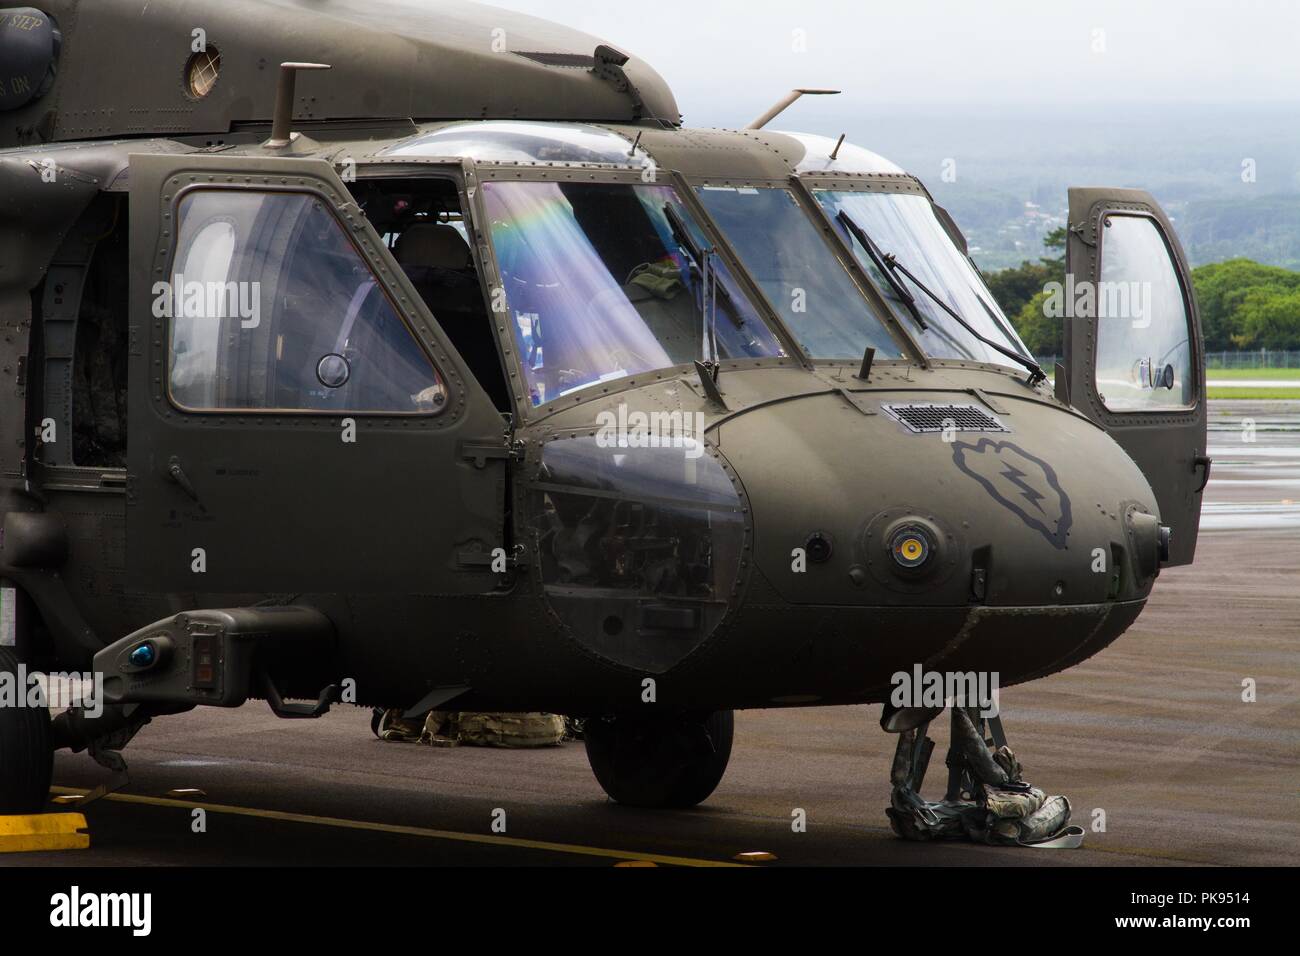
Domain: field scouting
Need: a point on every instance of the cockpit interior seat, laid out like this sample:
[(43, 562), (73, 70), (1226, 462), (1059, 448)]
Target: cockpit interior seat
[(433, 245), (437, 259)]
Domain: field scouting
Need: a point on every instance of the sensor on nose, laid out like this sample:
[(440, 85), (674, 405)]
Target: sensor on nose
[(909, 550), (912, 546)]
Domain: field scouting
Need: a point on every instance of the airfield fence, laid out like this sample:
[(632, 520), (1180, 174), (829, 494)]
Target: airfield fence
[(1261, 358)]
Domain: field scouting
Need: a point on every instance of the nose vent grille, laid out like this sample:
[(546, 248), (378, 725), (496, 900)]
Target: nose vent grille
[(935, 418)]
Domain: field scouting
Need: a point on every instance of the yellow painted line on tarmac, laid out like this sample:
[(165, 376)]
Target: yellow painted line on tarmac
[(338, 822), (33, 832)]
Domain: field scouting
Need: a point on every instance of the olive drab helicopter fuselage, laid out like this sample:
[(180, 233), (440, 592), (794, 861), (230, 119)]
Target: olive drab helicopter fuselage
[(461, 374)]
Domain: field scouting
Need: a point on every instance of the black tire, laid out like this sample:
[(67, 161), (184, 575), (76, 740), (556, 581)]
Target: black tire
[(26, 755), (673, 763)]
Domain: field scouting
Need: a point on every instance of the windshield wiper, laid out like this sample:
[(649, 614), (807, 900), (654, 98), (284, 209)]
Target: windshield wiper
[(889, 264), (702, 261)]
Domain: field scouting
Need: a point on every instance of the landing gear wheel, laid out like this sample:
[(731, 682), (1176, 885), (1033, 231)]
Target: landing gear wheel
[(26, 755), (668, 763)]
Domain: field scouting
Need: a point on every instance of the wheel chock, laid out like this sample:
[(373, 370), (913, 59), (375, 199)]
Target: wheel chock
[(29, 833)]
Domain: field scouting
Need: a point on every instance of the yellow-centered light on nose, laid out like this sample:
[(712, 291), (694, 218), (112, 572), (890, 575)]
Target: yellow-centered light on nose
[(911, 547)]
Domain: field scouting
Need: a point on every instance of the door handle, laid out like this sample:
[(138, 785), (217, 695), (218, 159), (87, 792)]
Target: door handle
[(177, 474), (1202, 464)]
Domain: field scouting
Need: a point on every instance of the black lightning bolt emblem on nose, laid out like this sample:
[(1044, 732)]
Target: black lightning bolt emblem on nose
[(1017, 478), (1020, 482)]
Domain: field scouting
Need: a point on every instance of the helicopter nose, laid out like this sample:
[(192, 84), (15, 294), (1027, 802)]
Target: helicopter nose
[(853, 504)]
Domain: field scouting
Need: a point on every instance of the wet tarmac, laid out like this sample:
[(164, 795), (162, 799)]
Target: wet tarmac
[(1154, 741), (1255, 483)]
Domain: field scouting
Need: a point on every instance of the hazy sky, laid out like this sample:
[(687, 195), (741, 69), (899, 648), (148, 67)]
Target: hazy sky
[(728, 59)]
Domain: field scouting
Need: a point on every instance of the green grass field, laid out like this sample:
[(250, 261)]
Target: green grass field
[(1261, 373), (1257, 394)]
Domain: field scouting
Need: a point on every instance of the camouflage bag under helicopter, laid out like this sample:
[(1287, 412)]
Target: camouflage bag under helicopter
[(442, 728)]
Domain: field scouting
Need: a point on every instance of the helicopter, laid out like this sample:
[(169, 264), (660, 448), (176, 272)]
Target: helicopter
[(417, 354)]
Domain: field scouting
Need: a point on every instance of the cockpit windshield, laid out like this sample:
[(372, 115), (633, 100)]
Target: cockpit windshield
[(780, 246), (904, 226), (601, 284)]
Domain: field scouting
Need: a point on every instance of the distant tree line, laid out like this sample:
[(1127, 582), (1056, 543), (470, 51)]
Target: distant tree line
[(1022, 293), (1248, 305), (1243, 304)]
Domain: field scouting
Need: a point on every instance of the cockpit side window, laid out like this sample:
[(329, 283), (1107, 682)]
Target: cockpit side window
[(273, 309), (424, 225)]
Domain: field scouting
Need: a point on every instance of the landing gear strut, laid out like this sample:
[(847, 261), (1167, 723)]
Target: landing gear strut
[(986, 800), (662, 763), (26, 753)]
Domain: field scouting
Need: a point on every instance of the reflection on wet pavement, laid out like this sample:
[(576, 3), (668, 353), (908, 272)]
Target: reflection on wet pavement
[(1255, 481)]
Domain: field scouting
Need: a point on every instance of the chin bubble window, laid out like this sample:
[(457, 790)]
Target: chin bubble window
[(639, 542)]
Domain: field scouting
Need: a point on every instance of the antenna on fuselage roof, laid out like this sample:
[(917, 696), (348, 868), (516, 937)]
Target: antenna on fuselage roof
[(785, 103), (282, 124)]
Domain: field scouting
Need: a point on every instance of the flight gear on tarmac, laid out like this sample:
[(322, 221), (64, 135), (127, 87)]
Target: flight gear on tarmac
[(447, 728), (391, 725), (987, 801), (510, 730), (573, 728)]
